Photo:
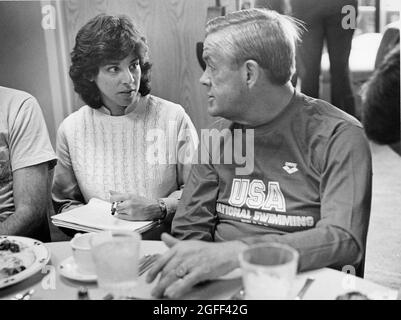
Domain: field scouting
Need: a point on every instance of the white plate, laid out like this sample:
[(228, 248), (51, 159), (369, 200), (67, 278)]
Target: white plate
[(42, 257), (69, 269)]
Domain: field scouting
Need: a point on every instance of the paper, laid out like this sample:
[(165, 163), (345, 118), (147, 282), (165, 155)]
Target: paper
[(95, 216)]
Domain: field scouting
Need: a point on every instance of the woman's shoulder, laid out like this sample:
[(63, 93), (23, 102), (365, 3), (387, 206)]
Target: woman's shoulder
[(76, 117), (165, 106), (77, 114)]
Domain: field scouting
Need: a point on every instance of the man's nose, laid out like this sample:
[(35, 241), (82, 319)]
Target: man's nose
[(204, 79)]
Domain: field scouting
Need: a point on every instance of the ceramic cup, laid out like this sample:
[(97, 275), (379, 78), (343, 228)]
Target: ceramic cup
[(82, 253)]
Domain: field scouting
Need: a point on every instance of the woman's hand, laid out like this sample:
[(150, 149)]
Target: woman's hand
[(133, 207), (189, 262)]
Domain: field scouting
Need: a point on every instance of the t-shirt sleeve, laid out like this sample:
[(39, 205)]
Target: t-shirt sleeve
[(29, 138), (339, 237)]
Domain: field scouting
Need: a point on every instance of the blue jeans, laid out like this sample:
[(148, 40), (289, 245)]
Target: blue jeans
[(323, 22)]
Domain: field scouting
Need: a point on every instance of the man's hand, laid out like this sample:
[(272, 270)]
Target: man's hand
[(133, 207), (190, 262)]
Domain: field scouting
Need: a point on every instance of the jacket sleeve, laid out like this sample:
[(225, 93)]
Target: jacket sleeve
[(195, 216)]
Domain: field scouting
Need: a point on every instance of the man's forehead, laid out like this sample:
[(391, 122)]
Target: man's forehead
[(213, 38), (210, 45)]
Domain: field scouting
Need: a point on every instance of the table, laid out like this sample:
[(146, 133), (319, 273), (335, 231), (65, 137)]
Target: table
[(50, 285)]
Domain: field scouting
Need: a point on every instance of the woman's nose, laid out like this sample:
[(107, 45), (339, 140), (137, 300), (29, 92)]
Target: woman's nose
[(128, 77)]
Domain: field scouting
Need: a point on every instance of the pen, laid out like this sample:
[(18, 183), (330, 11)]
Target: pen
[(113, 207)]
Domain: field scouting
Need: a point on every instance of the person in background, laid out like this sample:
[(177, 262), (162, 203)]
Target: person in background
[(125, 144), (26, 162), (245, 5), (390, 39), (323, 22), (381, 102), (281, 6), (307, 178)]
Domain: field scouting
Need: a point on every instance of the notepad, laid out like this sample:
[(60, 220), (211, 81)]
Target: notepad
[(95, 216)]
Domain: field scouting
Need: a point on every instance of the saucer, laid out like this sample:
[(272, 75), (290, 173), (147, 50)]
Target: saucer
[(69, 269)]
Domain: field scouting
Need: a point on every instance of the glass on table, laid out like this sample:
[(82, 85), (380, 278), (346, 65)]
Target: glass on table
[(116, 258), (268, 271)]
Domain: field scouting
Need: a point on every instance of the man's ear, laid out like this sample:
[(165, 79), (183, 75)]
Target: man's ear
[(252, 72)]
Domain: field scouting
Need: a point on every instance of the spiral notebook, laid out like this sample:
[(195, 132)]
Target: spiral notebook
[(95, 216)]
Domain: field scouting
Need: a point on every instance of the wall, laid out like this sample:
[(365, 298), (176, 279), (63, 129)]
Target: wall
[(23, 60), (37, 60), (172, 28)]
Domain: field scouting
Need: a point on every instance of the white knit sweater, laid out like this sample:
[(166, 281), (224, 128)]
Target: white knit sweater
[(104, 152)]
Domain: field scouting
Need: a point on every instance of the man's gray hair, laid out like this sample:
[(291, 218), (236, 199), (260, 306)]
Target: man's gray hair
[(262, 35)]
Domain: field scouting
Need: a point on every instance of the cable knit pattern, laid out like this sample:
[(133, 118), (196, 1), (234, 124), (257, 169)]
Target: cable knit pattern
[(110, 152)]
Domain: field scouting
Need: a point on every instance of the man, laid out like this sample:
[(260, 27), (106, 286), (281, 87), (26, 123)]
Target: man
[(26, 156), (310, 184)]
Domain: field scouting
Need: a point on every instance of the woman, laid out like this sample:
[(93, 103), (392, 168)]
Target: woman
[(124, 145)]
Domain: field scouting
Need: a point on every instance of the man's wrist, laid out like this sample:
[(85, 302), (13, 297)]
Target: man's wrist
[(234, 248)]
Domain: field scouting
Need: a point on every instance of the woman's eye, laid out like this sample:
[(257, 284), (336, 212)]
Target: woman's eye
[(112, 69), (134, 65)]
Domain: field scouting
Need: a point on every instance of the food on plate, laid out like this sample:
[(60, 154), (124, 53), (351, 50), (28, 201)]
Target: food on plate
[(8, 245), (14, 258)]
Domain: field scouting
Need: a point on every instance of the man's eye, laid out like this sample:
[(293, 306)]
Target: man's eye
[(211, 67)]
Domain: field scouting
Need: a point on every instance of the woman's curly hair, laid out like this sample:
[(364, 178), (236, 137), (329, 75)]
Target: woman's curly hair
[(106, 38)]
